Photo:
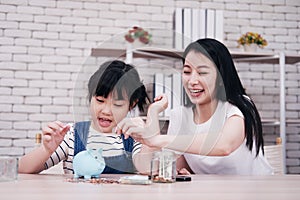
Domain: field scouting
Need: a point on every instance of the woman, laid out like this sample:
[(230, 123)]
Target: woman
[(219, 129)]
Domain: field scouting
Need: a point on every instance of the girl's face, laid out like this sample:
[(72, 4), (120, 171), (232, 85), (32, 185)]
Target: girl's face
[(107, 112), (199, 78)]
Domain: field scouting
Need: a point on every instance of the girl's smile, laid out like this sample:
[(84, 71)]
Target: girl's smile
[(107, 112), (104, 122)]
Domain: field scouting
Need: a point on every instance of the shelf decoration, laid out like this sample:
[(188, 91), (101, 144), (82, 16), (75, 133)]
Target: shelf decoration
[(135, 37), (250, 41), (138, 33)]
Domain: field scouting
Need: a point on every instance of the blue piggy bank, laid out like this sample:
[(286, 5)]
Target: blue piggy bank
[(89, 163)]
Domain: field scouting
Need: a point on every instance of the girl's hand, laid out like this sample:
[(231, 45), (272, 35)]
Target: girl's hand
[(53, 135), (134, 127), (141, 132), (160, 103)]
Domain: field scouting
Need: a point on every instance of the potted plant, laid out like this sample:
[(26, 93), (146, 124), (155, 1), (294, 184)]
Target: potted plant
[(251, 40), (138, 33)]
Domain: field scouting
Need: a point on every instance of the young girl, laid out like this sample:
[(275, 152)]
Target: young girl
[(114, 89), (219, 129)]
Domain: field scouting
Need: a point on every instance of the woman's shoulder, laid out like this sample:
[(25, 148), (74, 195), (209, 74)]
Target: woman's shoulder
[(232, 109)]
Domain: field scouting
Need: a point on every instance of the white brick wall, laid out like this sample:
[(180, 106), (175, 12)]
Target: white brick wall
[(44, 44)]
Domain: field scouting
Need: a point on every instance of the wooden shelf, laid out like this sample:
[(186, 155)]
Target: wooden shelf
[(293, 121), (269, 58), (270, 122), (146, 52), (150, 53)]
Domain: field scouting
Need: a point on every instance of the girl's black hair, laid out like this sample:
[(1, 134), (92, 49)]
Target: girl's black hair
[(117, 76), (231, 89)]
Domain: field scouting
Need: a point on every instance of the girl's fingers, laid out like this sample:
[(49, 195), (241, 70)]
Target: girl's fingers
[(55, 128), (127, 131), (48, 131), (135, 131), (127, 123), (131, 127), (47, 138), (65, 130)]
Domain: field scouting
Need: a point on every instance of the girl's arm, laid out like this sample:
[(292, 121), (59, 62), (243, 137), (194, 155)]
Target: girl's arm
[(132, 126), (141, 159), (34, 161)]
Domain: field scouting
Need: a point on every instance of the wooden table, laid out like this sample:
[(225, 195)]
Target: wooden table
[(202, 187)]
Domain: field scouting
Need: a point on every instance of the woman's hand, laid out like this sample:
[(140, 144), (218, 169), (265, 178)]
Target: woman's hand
[(53, 135), (183, 171), (160, 104)]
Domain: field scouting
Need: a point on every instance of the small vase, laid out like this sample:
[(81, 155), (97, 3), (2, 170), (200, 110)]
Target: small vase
[(250, 47), (130, 48), (129, 53)]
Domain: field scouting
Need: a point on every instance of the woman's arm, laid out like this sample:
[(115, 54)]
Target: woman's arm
[(182, 166), (34, 161), (220, 143), (228, 139)]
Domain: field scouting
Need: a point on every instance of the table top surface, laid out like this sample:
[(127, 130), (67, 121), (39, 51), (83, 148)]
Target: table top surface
[(46, 186)]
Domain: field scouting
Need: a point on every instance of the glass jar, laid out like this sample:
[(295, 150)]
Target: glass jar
[(8, 168), (163, 167)]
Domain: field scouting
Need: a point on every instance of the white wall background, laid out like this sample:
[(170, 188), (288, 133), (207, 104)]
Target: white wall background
[(45, 43)]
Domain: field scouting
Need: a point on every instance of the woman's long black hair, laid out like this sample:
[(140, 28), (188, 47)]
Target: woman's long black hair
[(231, 90)]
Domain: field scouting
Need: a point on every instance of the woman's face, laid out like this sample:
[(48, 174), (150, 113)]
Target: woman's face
[(107, 112), (199, 77)]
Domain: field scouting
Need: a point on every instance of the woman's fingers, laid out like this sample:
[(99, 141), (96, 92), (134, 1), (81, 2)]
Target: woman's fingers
[(160, 103), (183, 171)]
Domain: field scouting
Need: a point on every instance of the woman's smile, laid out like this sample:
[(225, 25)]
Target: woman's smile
[(196, 92), (199, 78)]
